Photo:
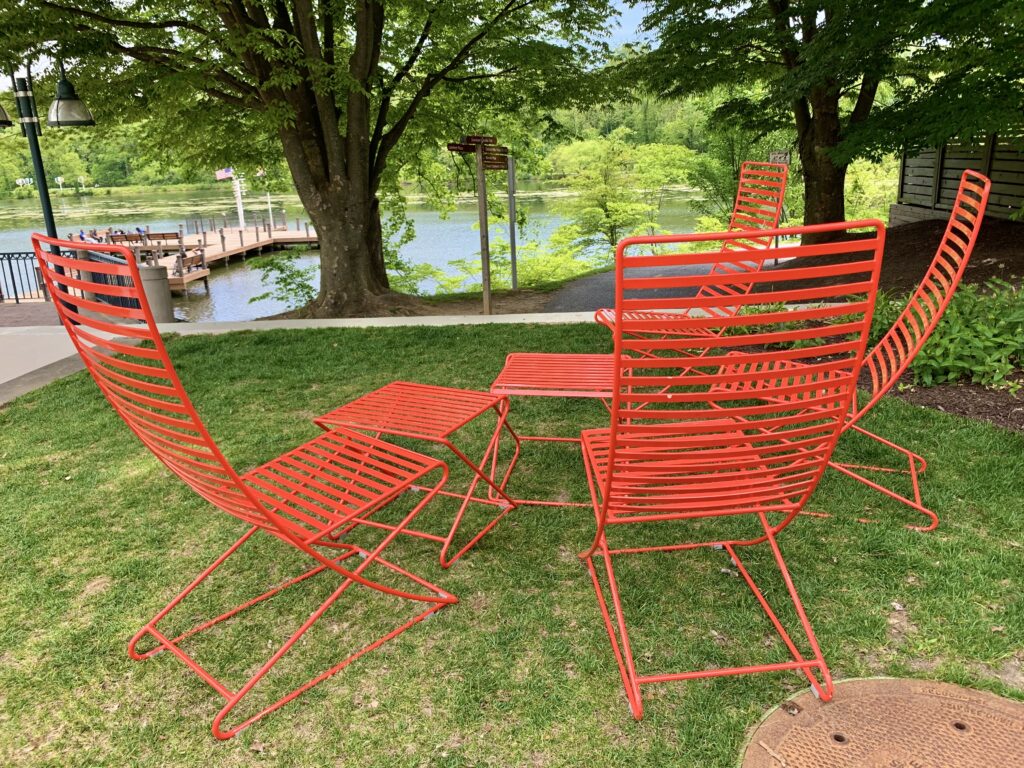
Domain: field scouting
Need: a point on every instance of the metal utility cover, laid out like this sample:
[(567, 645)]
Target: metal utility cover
[(891, 723)]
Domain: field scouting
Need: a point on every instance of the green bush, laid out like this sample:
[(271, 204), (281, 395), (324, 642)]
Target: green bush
[(286, 280), (980, 338)]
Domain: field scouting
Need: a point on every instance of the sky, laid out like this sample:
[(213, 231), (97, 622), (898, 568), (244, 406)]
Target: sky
[(628, 29)]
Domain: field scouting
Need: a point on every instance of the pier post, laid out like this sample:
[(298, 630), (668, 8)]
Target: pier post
[(158, 292), (296, 225)]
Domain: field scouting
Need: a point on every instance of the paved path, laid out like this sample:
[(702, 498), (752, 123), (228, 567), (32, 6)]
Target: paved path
[(594, 292), (27, 313)]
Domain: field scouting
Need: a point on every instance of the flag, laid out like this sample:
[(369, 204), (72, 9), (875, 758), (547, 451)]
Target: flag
[(225, 173)]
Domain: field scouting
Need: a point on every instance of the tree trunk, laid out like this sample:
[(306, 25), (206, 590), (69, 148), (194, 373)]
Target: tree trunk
[(352, 274), (346, 215), (824, 180)]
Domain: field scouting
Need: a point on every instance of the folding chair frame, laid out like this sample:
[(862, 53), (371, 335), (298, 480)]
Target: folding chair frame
[(618, 632), (437, 600), (892, 356), (661, 460)]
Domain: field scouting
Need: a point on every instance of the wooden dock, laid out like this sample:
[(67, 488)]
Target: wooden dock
[(188, 256), (221, 246)]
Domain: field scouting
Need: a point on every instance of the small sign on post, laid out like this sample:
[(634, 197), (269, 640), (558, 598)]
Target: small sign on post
[(779, 156), (490, 157)]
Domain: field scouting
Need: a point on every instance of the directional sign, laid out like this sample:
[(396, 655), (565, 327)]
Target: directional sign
[(480, 140), (456, 147), (494, 165), (495, 151)]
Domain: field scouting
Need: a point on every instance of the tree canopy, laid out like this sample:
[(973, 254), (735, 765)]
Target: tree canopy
[(819, 68), (346, 91)]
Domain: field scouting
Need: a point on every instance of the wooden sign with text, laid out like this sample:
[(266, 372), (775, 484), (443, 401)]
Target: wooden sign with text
[(489, 157)]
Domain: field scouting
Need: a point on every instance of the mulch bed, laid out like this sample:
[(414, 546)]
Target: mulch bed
[(909, 250), (996, 406)]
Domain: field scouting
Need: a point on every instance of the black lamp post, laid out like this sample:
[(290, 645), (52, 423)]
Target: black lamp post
[(66, 109)]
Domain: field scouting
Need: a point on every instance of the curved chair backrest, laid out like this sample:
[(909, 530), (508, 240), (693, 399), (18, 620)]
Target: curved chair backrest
[(685, 442), (99, 298), (759, 197), (887, 361), (758, 207)]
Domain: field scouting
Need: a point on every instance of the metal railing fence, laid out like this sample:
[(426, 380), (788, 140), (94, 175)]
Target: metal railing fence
[(19, 278)]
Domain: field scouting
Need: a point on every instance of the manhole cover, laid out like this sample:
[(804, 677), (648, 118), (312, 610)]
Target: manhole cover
[(887, 723)]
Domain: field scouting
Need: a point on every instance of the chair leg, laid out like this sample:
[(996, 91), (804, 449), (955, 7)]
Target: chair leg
[(496, 493), (821, 683), (617, 632), (435, 600), (916, 466)]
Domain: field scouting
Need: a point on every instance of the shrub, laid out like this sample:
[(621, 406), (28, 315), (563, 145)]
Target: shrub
[(979, 339)]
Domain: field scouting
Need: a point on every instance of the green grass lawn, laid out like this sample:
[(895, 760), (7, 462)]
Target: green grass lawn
[(95, 536)]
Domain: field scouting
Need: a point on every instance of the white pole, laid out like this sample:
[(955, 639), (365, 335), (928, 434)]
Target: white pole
[(270, 212), (236, 183)]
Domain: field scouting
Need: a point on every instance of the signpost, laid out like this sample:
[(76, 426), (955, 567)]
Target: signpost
[(512, 219), (490, 157), (485, 243), (779, 156)]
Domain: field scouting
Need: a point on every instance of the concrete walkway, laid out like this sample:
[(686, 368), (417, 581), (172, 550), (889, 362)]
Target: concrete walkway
[(32, 356)]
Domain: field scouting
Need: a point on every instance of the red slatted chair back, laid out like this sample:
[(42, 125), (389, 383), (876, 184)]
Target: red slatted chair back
[(758, 207), (685, 441), (888, 360), (759, 198), (99, 299)]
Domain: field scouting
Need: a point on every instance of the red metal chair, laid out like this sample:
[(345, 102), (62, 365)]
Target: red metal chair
[(684, 446), (891, 357), (434, 414), (894, 353), (756, 212), (757, 208), (335, 482)]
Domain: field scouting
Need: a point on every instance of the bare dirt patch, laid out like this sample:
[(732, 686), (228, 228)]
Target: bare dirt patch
[(996, 406), (97, 586)]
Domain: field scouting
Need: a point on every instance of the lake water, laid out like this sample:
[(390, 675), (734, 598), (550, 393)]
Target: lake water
[(437, 242)]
